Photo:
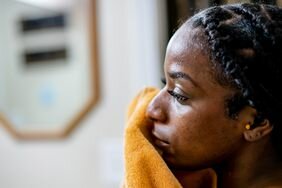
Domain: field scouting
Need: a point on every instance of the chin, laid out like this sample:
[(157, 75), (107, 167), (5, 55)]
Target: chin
[(170, 161), (173, 163), (176, 165)]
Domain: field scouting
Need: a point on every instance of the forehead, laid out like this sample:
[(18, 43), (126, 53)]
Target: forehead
[(188, 37), (187, 51)]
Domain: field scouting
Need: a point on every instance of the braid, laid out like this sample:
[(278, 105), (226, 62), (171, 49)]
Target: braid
[(245, 42), (230, 73), (260, 20)]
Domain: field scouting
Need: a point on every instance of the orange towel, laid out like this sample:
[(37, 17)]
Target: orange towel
[(144, 167)]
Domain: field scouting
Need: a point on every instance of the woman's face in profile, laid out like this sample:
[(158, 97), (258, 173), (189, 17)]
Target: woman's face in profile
[(190, 122)]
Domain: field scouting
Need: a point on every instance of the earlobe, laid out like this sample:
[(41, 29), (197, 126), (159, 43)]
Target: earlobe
[(258, 132)]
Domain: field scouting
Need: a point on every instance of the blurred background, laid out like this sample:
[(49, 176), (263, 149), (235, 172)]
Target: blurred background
[(68, 69)]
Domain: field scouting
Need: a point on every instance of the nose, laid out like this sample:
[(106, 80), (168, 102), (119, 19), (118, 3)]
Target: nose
[(155, 110)]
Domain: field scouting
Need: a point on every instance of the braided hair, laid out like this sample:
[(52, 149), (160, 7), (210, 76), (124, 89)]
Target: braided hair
[(245, 43)]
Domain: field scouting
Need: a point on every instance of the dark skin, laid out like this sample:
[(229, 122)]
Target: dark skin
[(191, 126)]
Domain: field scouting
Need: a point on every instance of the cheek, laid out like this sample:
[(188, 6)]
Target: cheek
[(203, 136)]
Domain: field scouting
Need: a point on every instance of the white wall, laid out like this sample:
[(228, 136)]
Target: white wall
[(3, 66), (131, 45), (37, 92)]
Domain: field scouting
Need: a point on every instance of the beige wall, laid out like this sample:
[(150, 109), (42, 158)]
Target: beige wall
[(131, 45)]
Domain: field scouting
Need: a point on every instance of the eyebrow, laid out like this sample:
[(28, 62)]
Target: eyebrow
[(178, 75)]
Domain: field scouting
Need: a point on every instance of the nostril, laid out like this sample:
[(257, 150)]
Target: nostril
[(155, 113), (150, 117)]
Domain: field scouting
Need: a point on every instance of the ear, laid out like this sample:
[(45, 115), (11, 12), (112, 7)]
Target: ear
[(258, 132)]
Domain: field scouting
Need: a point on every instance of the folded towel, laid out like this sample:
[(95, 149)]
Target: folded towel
[(144, 166)]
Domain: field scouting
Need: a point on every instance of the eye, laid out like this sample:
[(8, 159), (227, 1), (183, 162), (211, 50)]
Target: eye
[(180, 98)]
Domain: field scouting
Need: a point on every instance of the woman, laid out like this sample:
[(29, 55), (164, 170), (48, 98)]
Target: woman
[(221, 104)]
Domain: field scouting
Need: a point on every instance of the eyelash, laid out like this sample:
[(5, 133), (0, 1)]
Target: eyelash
[(178, 97)]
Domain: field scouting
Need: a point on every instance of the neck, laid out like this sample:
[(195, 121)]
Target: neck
[(248, 165)]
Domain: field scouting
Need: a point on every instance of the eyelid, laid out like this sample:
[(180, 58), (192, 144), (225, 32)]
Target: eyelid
[(179, 91), (180, 98)]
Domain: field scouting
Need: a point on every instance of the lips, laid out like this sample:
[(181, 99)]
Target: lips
[(160, 143)]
